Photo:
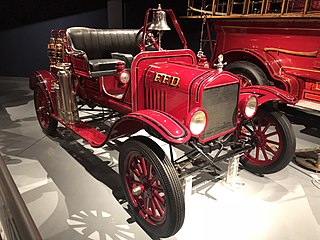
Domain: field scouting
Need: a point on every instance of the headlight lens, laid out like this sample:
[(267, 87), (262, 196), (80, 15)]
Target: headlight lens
[(198, 122), (124, 77), (251, 107)]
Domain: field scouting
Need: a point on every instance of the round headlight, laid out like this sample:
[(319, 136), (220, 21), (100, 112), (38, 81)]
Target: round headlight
[(198, 122), (251, 107), (124, 77)]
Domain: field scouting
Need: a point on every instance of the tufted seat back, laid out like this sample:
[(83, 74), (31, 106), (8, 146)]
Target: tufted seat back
[(100, 43)]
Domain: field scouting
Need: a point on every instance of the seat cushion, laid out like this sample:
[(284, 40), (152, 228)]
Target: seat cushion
[(103, 64), (126, 57)]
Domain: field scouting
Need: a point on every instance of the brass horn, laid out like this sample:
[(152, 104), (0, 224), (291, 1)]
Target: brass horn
[(159, 21)]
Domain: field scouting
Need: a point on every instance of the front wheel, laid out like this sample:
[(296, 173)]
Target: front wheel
[(152, 187), (274, 140)]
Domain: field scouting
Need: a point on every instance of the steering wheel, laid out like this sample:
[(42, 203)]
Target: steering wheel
[(151, 42)]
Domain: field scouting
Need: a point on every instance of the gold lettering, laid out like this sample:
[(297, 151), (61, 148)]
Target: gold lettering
[(165, 79), (157, 77), (174, 82)]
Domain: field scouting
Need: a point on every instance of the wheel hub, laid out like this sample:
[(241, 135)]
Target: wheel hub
[(261, 140), (136, 191)]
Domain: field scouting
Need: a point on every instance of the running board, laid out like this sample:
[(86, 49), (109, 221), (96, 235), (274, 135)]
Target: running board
[(94, 137), (307, 104)]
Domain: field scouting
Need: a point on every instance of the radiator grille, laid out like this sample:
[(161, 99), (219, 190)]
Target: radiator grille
[(221, 104), (156, 99)]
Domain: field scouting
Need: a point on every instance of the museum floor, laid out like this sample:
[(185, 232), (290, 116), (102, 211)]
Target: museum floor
[(73, 191)]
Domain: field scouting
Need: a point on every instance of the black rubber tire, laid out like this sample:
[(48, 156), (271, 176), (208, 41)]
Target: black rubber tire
[(42, 108), (248, 70), (173, 206), (273, 135)]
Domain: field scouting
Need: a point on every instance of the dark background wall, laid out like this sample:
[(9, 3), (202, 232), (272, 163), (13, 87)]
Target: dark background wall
[(25, 26)]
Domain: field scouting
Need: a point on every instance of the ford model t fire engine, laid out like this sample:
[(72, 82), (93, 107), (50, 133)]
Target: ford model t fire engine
[(173, 97)]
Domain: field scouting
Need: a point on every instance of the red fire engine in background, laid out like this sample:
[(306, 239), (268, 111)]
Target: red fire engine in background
[(267, 42)]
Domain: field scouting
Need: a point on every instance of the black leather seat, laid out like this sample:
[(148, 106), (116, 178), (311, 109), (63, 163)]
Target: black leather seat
[(104, 48)]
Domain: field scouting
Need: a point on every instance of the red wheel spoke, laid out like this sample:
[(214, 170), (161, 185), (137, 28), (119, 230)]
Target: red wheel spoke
[(139, 168), (153, 208), (155, 178), (271, 134), (149, 174), (264, 153), (272, 142), (146, 202), (144, 166), (270, 149), (266, 128), (157, 187), (257, 152), (137, 182), (136, 172), (157, 195), (159, 207)]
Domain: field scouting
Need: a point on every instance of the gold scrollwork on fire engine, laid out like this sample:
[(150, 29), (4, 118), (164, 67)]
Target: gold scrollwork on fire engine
[(283, 68), (280, 50)]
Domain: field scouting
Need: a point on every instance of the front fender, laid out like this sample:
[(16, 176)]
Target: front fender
[(268, 93), (160, 123)]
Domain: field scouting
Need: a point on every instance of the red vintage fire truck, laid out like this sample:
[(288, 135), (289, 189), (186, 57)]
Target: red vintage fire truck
[(169, 94), (267, 42)]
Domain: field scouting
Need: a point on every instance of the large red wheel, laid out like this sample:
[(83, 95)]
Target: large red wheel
[(42, 107), (152, 187), (274, 140)]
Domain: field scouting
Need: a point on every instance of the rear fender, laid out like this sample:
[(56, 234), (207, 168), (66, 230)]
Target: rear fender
[(266, 94), (268, 64), (45, 78), (158, 123)]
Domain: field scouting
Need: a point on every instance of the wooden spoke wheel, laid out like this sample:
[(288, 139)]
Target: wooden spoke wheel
[(152, 187), (274, 140)]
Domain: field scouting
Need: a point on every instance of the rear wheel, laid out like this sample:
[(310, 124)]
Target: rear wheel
[(152, 187), (249, 73), (42, 107), (274, 140)]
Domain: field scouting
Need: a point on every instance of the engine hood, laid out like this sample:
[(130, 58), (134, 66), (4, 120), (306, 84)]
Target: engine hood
[(174, 76), (177, 88), (185, 78)]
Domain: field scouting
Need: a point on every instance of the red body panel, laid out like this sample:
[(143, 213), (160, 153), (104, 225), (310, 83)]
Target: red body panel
[(146, 60), (288, 50)]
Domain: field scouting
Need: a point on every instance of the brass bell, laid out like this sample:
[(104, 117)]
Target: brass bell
[(159, 21)]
